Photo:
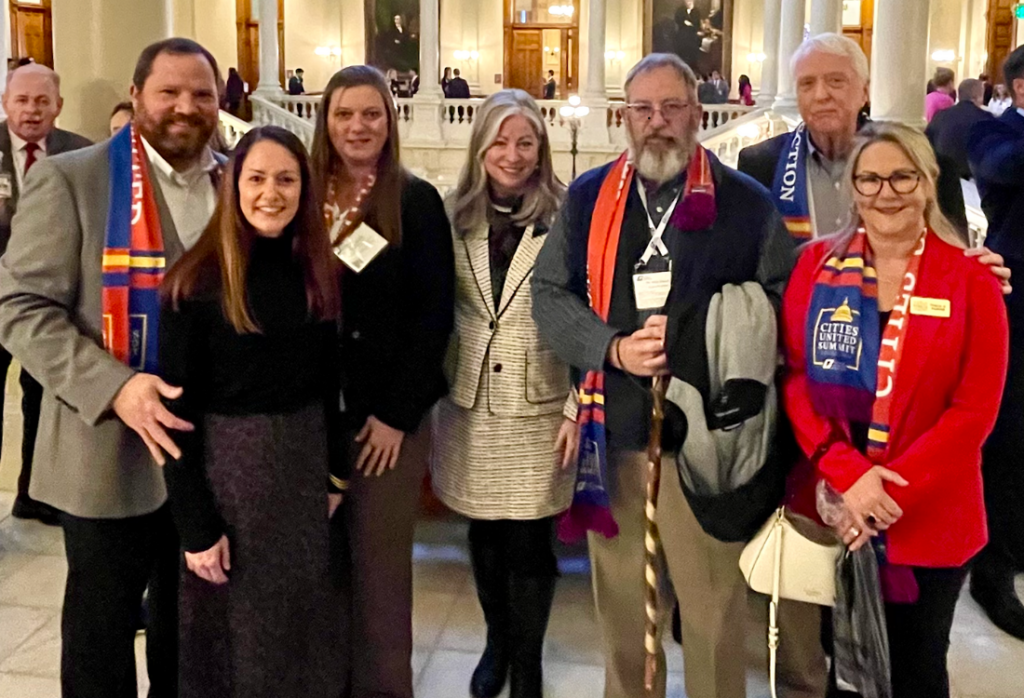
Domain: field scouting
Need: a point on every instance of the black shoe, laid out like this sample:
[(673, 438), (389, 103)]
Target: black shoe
[(995, 593), (491, 576), (27, 508), (530, 601)]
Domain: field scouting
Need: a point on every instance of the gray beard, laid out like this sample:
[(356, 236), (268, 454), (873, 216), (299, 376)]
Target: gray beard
[(660, 166)]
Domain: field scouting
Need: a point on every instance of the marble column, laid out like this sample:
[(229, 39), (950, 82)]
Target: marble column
[(826, 16), (595, 90), (4, 38), (900, 39), (95, 46), (430, 50), (426, 104), (770, 65), (270, 52), (791, 34)]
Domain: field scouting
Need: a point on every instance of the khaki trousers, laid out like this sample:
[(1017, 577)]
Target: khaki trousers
[(703, 573)]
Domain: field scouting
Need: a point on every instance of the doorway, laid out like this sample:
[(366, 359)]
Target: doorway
[(541, 42), (32, 31), (1001, 36), (248, 40)]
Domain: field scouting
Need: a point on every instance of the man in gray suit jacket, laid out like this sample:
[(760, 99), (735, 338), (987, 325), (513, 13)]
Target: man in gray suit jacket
[(103, 424), (32, 102)]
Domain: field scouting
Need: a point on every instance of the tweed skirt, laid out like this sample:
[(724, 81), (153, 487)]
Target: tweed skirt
[(488, 466), (273, 630)]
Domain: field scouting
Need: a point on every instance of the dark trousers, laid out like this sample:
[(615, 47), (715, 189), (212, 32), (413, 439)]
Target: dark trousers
[(32, 396), (919, 635), (525, 547), (110, 564)]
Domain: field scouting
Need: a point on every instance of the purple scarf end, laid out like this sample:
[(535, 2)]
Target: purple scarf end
[(698, 213), (898, 584), (574, 524)]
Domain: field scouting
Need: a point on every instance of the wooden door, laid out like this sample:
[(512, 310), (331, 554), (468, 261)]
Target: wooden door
[(32, 31), (1001, 36), (248, 40), (527, 61), (863, 32)]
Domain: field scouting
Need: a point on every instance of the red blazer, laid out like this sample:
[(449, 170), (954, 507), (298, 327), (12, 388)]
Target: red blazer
[(945, 400)]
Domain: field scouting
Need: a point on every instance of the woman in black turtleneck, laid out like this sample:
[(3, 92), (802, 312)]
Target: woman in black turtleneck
[(248, 330), (505, 437)]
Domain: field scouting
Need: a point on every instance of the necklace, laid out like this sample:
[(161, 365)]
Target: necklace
[(336, 222)]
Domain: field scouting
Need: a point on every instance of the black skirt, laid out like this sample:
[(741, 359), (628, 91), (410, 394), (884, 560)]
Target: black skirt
[(274, 629)]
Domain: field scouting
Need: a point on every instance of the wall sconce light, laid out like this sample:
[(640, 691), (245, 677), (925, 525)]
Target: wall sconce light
[(332, 52), (756, 57), (562, 10), (944, 56), (466, 55), (614, 55)]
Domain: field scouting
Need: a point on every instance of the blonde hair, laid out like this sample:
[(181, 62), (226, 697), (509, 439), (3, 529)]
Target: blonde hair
[(471, 197), (917, 148)]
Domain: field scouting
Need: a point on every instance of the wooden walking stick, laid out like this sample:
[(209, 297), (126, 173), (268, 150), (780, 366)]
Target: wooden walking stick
[(651, 540)]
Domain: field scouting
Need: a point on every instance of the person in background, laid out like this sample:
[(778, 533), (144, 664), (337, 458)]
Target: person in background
[(988, 89), (248, 330), (720, 86), (716, 227), (550, 85), (397, 314), (746, 91), (234, 91), (942, 96), (103, 426), (29, 134), (906, 459), (1001, 100), (446, 80), (458, 88), (504, 457), (393, 83), (997, 161), (121, 116), (414, 83), (296, 85), (950, 130)]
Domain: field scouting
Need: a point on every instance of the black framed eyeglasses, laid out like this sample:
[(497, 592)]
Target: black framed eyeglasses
[(900, 181), (645, 110)]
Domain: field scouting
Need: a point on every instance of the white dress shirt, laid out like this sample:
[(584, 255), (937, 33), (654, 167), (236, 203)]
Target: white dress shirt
[(190, 195), (20, 155)]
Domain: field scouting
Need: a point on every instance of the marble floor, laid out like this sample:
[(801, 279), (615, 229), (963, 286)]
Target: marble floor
[(448, 625)]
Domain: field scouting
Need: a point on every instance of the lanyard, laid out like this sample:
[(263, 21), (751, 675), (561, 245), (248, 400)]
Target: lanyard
[(657, 231)]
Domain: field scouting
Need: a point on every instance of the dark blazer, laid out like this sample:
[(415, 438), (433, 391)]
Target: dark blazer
[(458, 88), (943, 407), (997, 160), (397, 315), (759, 161), (950, 132), (57, 142)]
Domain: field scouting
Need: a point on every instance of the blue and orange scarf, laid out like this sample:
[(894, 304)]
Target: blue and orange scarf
[(133, 257), (591, 507), (790, 186), (852, 371)]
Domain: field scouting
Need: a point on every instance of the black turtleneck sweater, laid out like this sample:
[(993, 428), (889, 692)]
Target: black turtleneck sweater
[(291, 363), (503, 240)]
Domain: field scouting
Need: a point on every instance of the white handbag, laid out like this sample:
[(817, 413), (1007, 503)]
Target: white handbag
[(792, 558)]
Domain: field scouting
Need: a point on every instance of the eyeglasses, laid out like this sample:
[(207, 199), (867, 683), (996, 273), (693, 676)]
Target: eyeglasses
[(670, 111), (900, 181)]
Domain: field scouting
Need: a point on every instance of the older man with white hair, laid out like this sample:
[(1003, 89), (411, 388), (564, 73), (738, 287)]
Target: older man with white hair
[(804, 169), (662, 228)]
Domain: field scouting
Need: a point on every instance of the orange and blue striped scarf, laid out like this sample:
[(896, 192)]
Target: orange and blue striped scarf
[(133, 257), (790, 186), (591, 507)]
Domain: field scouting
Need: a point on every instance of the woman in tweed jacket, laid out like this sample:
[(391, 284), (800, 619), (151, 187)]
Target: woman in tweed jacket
[(505, 438)]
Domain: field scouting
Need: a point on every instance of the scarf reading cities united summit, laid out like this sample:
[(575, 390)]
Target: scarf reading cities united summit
[(591, 507), (133, 257)]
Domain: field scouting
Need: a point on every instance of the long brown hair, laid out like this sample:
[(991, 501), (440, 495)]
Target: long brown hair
[(219, 261), (383, 209)]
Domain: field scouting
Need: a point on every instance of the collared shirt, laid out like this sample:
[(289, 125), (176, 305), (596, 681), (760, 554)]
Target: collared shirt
[(830, 202), (661, 196), (1020, 110), (190, 195), (20, 155)]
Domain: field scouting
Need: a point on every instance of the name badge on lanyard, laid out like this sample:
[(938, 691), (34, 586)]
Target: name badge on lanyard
[(652, 275)]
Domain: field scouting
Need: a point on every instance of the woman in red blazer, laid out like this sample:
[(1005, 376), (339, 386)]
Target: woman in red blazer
[(896, 351)]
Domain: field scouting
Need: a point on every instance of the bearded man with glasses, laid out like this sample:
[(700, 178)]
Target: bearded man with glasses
[(638, 242)]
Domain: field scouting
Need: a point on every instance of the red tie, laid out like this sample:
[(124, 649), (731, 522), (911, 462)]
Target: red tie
[(30, 159)]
